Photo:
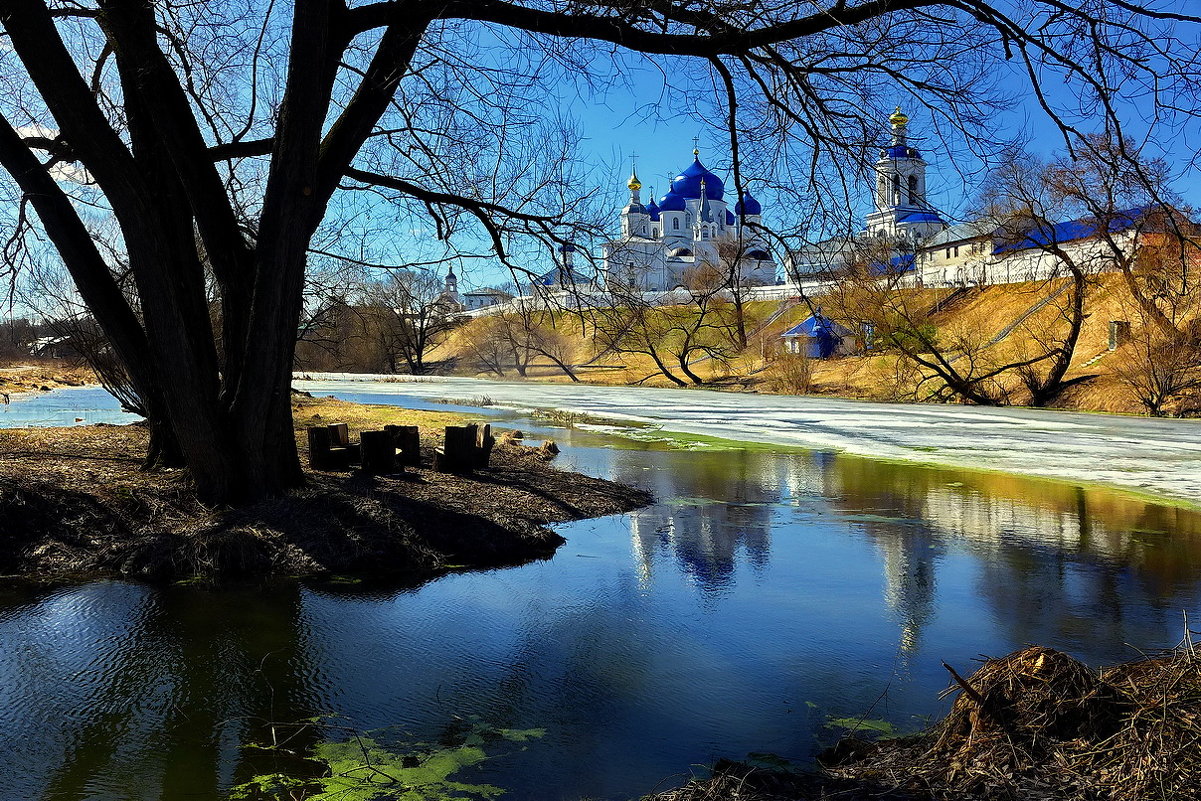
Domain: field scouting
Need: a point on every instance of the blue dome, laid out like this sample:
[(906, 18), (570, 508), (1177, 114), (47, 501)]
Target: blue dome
[(901, 152), (672, 202), (730, 218), (748, 205), (653, 211), (688, 183)]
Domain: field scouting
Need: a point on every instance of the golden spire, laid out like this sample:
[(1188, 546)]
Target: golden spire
[(898, 118), (634, 185)]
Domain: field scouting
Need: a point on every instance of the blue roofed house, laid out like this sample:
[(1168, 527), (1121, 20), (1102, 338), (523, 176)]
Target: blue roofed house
[(985, 252), (819, 337)]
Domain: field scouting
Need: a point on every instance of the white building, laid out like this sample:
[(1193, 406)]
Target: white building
[(661, 243)]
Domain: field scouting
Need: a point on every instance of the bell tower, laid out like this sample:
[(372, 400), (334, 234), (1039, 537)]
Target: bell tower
[(900, 191)]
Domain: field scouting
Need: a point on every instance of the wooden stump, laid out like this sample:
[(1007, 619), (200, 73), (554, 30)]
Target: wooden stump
[(377, 452), (458, 453), (408, 442), (320, 444), (339, 435), (483, 446)]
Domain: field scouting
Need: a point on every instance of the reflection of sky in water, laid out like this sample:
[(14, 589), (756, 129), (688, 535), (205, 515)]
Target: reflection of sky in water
[(63, 407), (762, 594)]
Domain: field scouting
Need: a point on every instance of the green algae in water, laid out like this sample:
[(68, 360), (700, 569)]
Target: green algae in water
[(364, 769)]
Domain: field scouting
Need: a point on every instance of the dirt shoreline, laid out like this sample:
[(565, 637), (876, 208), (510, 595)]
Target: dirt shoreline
[(73, 503)]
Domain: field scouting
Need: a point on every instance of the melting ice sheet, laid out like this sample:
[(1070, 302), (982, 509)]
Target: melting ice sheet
[(1144, 454)]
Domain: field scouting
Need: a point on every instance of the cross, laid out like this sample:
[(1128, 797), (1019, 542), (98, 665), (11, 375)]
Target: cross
[(696, 145)]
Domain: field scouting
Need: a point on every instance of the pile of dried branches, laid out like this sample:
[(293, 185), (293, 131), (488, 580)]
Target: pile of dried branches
[(1034, 725), (1038, 724)]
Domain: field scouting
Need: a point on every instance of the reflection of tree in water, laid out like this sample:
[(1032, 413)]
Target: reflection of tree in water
[(711, 505), (164, 691)]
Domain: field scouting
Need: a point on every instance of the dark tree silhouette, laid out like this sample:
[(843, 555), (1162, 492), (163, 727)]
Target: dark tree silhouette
[(218, 134)]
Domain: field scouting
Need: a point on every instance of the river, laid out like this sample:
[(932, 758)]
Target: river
[(764, 603)]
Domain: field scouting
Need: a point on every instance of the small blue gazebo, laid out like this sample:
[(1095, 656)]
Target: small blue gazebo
[(818, 337)]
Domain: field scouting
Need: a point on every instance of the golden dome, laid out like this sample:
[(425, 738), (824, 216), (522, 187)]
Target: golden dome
[(898, 117), (634, 183)]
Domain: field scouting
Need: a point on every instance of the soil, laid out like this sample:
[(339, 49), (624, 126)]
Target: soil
[(74, 502)]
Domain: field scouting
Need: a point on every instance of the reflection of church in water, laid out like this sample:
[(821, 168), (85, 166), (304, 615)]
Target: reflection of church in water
[(706, 537)]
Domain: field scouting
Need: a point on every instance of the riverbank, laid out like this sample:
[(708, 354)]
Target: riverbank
[(1150, 457), (1035, 725), (73, 501), (42, 376)]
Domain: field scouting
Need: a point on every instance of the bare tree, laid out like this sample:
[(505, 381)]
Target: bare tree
[(407, 314), (221, 137)]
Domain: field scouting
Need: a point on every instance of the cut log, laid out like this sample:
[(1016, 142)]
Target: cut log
[(378, 452), (320, 457), (408, 442), (458, 453), (339, 435), (483, 446)]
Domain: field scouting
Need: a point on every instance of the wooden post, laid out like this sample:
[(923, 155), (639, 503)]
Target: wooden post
[(339, 435), (457, 454), (408, 442), (483, 446), (320, 457), (378, 452)]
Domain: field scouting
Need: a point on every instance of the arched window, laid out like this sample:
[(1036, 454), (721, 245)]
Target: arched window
[(913, 190), (655, 233), (704, 233), (896, 190), (675, 223)]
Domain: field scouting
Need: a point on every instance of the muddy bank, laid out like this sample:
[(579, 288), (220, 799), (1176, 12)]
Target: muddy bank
[(74, 502), (1034, 725)]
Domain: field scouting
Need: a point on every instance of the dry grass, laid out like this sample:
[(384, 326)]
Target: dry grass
[(73, 500), (39, 375)]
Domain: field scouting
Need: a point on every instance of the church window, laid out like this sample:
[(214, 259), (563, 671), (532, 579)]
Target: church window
[(675, 223), (896, 190), (704, 233), (655, 233), (948, 253), (957, 250), (913, 189)]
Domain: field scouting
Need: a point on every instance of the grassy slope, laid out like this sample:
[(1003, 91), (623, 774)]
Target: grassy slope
[(984, 312)]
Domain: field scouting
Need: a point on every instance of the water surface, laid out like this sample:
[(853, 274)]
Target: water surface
[(762, 597)]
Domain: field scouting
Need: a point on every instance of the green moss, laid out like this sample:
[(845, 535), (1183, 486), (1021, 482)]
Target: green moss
[(365, 769)]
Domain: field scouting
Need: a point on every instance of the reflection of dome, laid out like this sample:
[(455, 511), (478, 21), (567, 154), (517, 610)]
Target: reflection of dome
[(688, 183), (748, 205), (672, 202)]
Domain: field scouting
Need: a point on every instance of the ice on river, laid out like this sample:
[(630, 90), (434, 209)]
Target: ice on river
[(1149, 455)]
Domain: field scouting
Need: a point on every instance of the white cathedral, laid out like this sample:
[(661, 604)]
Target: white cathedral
[(662, 242)]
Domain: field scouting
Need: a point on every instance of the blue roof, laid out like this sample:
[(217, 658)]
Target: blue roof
[(816, 326), (920, 216), (901, 152), (730, 218), (653, 211), (748, 205), (1052, 234), (561, 277), (688, 183), (672, 202), (903, 263)]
